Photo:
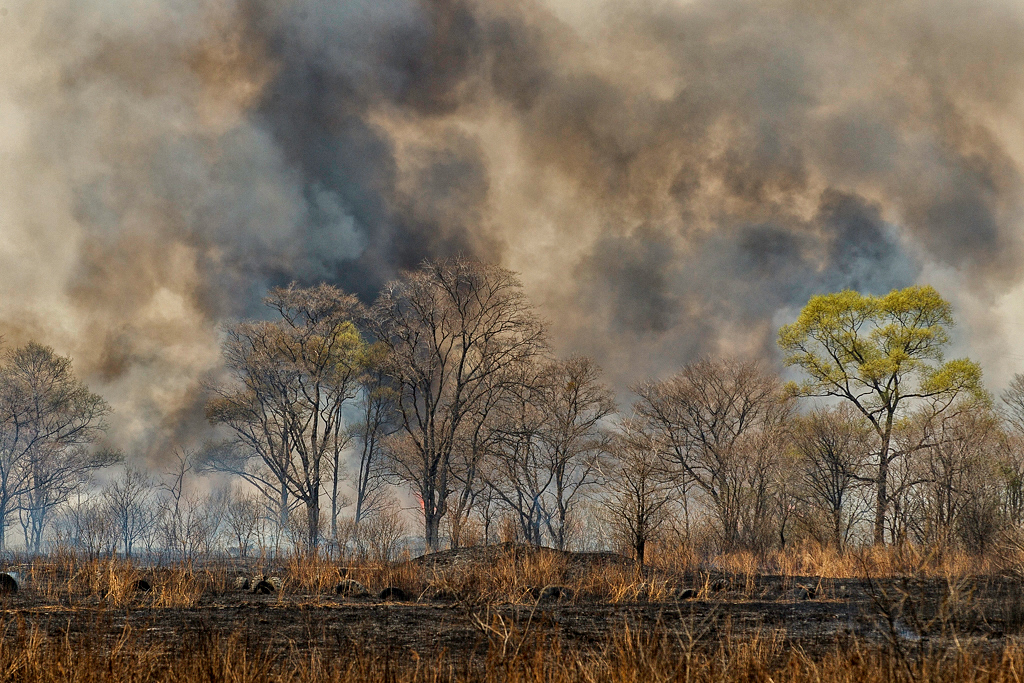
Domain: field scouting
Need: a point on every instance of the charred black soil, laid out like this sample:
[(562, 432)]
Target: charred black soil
[(813, 614)]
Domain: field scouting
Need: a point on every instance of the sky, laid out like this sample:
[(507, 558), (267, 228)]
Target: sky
[(670, 178)]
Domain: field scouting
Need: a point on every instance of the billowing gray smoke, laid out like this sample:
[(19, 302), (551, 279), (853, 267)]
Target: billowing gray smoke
[(671, 178)]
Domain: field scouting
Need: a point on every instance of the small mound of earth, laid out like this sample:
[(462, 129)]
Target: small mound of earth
[(489, 554)]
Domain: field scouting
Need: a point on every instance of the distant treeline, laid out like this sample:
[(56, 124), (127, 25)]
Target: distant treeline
[(447, 386)]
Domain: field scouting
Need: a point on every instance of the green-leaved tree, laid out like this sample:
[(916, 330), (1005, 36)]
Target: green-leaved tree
[(883, 354)]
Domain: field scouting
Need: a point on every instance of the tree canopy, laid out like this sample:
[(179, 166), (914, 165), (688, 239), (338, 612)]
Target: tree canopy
[(883, 354)]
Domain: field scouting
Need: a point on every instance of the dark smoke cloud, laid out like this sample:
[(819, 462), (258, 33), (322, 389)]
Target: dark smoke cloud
[(671, 179)]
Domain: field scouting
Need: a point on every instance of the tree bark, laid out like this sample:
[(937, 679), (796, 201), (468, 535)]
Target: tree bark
[(881, 493)]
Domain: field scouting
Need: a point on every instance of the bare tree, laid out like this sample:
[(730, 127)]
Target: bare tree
[(486, 509), (377, 422), (450, 328), (718, 422), (1012, 400), (131, 506), (49, 421), (382, 533), (336, 473), (177, 510), (833, 448), (954, 475), (242, 518), (544, 445), (293, 377), (1010, 473), (1010, 461), (639, 494), (256, 414), (54, 473), (189, 521), (475, 442), (515, 470), (85, 525), (574, 403)]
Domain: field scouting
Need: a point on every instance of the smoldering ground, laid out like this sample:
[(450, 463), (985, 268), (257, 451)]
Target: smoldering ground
[(668, 177)]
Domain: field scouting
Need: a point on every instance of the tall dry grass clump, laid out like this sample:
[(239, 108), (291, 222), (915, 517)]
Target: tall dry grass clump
[(313, 573), (813, 559), (380, 575), (69, 580), (516, 573), (619, 583), (183, 585)]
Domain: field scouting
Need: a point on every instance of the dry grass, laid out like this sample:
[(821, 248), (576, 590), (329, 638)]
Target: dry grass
[(114, 582), (810, 559), (814, 560), (511, 650), (628, 655), (507, 574), (310, 573)]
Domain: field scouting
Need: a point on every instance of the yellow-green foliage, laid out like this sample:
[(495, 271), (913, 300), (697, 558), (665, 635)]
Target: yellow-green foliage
[(890, 346)]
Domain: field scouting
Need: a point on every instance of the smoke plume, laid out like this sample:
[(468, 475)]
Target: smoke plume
[(670, 178)]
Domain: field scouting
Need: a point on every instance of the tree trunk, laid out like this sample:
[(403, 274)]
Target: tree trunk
[(882, 495), (459, 518), (431, 529), (456, 528), (334, 497), (3, 529), (882, 483), (432, 514), (38, 517), (730, 529), (313, 524)]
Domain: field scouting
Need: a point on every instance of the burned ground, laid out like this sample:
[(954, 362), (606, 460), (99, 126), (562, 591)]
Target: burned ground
[(458, 607)]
